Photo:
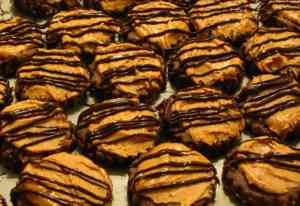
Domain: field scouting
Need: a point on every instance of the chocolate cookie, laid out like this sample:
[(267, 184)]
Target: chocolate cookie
[(45, 8), (32, 129), (117, 130), (111, 6), (62, 179), (82, 30), (128, 70), (281, 13), (204, 118), (262, 171), (271, 105), (274, 50), (172, 174), (19, 39), (5, 93), (160, 24), (210, 62), (230, 20), (53, 75)]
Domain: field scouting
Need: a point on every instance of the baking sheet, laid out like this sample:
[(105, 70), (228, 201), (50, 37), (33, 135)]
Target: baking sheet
[(119, 177)]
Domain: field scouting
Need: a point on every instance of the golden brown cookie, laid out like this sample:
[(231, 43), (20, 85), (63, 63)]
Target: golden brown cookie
[(31, 130), (62, 179), (261, 171), (172, 174)]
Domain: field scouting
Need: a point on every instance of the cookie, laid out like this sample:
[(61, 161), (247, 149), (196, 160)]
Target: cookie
[(5, 93), (2, 201), (53, 75), (19, 39), (128, 70), (204, 118), (172, 174), (261, 171), (117, 130), (33, 129), (271, 104), (210, 62), (274, 51), (111, 6), (230, 20), (159, 24), (82, 30), (62, 179), (45, 8)]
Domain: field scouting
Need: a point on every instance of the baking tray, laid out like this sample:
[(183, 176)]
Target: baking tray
[(119, 178)]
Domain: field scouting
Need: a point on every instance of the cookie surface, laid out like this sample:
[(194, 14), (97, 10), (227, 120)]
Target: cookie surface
[(282, 13), (128, 70), (274, 50), (45, 8), (19, 39), (203, 117), (159, 24), (262, 171), (5, 93), (82, 30), (210, 62), (111, 6), (231, 20), (53, 75), (62, 179), (118, 130), (172, 174), (31, 130), (271, 106)]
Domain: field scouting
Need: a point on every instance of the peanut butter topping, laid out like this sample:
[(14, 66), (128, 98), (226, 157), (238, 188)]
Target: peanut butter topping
[(172, 173), (19, 39), (128, 70), (267, 165), (63, 179), (231, 20), (82, 30), (272, 102), (162, 24), (31, 129), (5, 93), (52, 75), (207, 62), (274, 50), (120, 127), (203, 116)]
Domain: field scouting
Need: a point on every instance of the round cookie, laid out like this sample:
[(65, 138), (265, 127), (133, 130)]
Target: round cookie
[(5, 93), (62, 179), (210, 62), (45, 8), (111, 6), (172, 174), (204, 118), (274, 51), (262, 171), (53, 75), (159, 24), (230, 20), (271, 104), (82, 30), (117, 130), (19, 39), (281, 12), (128, 70), (31, 130)]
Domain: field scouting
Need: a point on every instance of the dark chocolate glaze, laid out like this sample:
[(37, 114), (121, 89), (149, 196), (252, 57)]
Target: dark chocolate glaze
[(59, 187)]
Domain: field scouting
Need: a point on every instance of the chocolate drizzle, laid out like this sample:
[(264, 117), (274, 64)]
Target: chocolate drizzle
[(96, 27), (66, 193), (5, 93), (168, 160), (104, 134), (151, 15), (130, 65)]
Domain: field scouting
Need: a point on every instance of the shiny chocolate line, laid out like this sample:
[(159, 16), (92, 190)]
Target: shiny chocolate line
[(183, 51), (219, 13), (275, 50), (231, 9), (218, 70), (222, 23)]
